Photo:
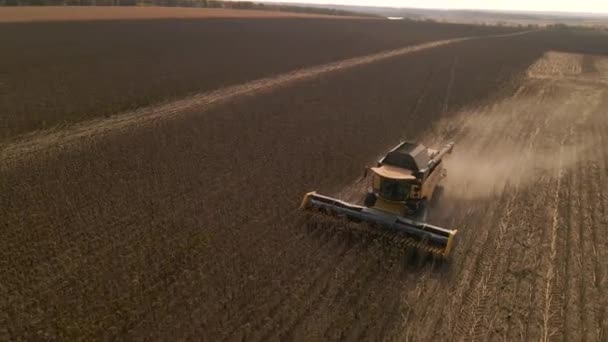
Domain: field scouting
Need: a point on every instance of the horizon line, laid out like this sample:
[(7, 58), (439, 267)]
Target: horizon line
[(504, 10)]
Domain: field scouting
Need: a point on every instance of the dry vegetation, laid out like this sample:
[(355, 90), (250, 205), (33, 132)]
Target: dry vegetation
[(189, 230)]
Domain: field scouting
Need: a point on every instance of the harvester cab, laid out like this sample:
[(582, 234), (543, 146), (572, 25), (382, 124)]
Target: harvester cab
[(401, 187), (405, 180)]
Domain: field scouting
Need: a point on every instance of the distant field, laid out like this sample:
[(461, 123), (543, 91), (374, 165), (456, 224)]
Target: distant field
[(75, 13), (53, 73)]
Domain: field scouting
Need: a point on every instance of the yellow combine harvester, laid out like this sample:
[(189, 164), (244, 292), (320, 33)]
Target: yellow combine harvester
[(402, 186)]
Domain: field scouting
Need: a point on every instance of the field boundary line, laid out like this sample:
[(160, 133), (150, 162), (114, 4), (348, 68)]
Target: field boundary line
[(551, 272), (24, 147), (46, 14)]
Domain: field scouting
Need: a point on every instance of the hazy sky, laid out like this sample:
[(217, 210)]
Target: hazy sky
[(589, 6)]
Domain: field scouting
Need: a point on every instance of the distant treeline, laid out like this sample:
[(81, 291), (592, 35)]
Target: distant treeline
[(182, 3)]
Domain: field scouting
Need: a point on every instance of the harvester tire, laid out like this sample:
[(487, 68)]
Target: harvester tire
[(423, 211), (370, 200), (437, 196)]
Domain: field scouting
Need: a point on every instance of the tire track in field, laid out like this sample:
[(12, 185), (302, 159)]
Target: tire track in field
[(474, 304), (521, 231), (425, 320), (552, 293), (426, 303), (581, 259), (562, 311), (588, 247), (423, 317), (553, 282), (505, 314), (366, 327), (601, 230), (559, 294), (491, 303), (25, 147), (531, 243), (571, 286), (530, 324), (595, 179), (469, 253), (520, 302)]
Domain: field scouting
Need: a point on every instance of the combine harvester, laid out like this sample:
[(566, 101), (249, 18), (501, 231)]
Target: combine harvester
[(402, 186)]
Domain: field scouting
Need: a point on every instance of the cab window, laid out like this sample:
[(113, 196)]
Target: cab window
[(393, 190)]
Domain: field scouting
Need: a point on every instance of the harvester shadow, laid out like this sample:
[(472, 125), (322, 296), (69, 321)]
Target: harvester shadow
[(373, 243)]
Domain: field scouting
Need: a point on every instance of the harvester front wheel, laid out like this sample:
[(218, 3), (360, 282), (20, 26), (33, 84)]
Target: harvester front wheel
[(437, 196), (422, 211), (370, 200)]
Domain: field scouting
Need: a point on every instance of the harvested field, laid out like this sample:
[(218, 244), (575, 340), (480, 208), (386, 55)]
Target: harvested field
[(53, 73), (188, 228)]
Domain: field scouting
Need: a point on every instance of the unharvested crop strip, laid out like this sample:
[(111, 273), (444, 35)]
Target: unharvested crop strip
[(367, 279), (289, 329), (512, 255), (328, 243), (588, 243), (314, 291), (32, 144), (572, 315), (483, 265), (504, 242), (490, 264)]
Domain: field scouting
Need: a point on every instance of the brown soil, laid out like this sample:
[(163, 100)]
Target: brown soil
[(188, 228)]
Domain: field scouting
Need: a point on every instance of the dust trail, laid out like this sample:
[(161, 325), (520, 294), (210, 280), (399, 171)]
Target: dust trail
[(31, 144), (495, 146)]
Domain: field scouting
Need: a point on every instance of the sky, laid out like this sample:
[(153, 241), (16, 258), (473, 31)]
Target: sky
[(586, 6)]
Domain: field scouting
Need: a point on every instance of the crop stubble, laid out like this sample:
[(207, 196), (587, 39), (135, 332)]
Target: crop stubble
[(189, 228)]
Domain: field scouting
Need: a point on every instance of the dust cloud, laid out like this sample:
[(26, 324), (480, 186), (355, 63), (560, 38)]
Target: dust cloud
[(481, 176), (515, 142)]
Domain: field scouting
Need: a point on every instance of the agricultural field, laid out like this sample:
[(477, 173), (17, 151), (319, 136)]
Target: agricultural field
[(53, 73), (180, 221)]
